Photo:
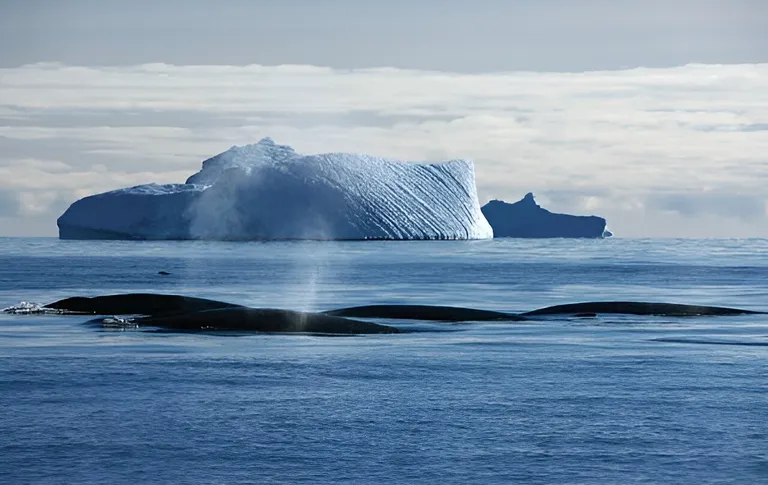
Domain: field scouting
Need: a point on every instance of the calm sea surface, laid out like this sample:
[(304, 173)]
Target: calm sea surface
[(617, 399)]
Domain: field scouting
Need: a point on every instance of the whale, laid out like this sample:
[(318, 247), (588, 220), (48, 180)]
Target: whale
[(593, 308), (424, 312), (269, 320), (177, 312), (136, 304)]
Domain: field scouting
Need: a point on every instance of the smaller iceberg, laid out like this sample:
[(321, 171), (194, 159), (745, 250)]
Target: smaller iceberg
[(526, 219)]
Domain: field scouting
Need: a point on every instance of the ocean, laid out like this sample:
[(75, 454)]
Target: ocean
[(614, 399)]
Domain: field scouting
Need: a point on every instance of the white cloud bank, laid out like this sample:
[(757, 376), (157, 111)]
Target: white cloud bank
[(658, 152)]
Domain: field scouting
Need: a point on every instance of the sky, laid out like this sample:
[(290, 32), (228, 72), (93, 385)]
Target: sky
[(651, 114)]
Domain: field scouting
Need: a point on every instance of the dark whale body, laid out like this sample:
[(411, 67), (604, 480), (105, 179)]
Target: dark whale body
[(264, 320), (176, 312), (638, 308), (424, 312), (137, 304)]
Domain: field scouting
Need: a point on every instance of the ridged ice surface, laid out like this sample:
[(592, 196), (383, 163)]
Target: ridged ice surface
[(268, 191)]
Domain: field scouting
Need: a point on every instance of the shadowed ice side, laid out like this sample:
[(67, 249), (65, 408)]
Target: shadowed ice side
[(526, 219), (177, 312)]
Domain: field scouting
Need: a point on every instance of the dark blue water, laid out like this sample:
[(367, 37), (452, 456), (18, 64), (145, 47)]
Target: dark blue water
[(615, 399)]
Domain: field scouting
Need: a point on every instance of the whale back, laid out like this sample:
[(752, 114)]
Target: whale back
[(265, 320), (136, 304)]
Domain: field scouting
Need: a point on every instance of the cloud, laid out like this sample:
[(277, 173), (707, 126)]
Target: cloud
[(9, 203), (634, 146), (728, 205)]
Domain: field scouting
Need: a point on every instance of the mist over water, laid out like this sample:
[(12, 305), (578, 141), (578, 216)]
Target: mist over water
[(613, 399), (310, 271)]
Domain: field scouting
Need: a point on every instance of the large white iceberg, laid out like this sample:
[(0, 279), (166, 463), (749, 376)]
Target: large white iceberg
[(268, 191)]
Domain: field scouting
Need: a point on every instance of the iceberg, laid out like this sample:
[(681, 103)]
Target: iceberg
[(266, 191), (526, 219)]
